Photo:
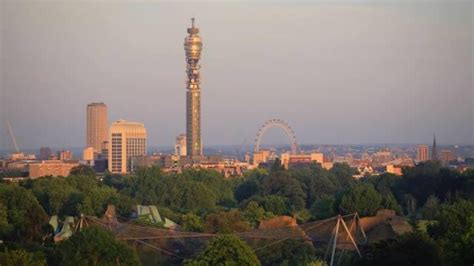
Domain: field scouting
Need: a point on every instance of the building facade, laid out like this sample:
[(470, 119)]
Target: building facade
[(288, 159), (192, 48), (180, 145), (97, 126), (65, 155), (447, 156), (422, 154), (50, 168), (88, 154), (126, 140)]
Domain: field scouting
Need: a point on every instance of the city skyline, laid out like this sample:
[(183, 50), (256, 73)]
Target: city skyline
[(238, 106)]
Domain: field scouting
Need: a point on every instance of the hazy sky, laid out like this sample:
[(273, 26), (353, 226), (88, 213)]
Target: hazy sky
[(338, 71)]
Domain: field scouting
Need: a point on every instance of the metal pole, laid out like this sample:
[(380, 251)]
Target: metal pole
[(350, 236), (335, 240)]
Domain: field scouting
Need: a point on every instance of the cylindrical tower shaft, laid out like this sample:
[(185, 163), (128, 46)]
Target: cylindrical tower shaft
[(193, 47)]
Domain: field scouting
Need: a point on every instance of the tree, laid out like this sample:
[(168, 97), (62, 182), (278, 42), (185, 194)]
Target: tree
[(454, 231), (317, 182), (89, 197), (226, 222), (246, 190), (52, 193), (226, 250), (277, 166), (198, 196), (386, 183), (96, 200), (409, 204), (363, 199), (277, 205), (213, 180), (5, 227), (253, 213), (324, 207), (410, 249), (389, 202), (287, 252), (95, 246), (317, 262), (282, 184), (191, 222), (116, 181), (146, 185), (83, 170), (21, 257), (344, 173), (440, 182), (25, 215), (431, 208)]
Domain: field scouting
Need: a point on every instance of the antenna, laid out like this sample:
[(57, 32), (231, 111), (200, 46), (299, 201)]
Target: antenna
[(192, 22), (12, 135)]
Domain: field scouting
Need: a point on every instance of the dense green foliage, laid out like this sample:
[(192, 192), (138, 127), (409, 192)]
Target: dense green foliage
[(288, 252), (21, 257), (226, 222), (76, 194), (410, 249), (204, 201), (95, 246), (25, 217), (454, 232), (226, 250)]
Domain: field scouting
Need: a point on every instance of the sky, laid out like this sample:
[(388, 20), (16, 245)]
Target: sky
[(339, 72)]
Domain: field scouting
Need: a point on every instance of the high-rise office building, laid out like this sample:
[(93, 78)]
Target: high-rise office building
[(126, 140), (422, 154), (193, 47), (180, 145), (97, 126)]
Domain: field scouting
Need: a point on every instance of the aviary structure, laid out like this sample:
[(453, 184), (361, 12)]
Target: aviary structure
[(193, 47)]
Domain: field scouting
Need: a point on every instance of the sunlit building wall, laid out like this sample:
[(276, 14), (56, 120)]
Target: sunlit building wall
[(192, 48), (97, 126), (422, 154), (88, 154), (126, 140), (50, 168), (180, 145)]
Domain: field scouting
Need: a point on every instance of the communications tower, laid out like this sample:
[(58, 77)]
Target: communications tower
[(192, 48)]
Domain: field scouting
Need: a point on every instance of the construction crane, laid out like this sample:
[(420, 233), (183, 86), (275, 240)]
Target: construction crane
[(12, 135)]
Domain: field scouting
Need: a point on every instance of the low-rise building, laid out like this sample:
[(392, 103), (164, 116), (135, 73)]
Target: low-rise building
[(50, 168), (260, 157), (65, 155), (288, 159), (88, 154)]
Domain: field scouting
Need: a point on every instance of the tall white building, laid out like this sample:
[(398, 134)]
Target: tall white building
[(126, 140)]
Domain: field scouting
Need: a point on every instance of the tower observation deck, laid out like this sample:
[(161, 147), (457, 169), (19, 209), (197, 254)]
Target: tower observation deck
[(192, 48)]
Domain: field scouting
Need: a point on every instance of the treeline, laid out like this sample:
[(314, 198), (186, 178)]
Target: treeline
[(439, 202)]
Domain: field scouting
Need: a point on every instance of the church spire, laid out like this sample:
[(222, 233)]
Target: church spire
[(434, 151)]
